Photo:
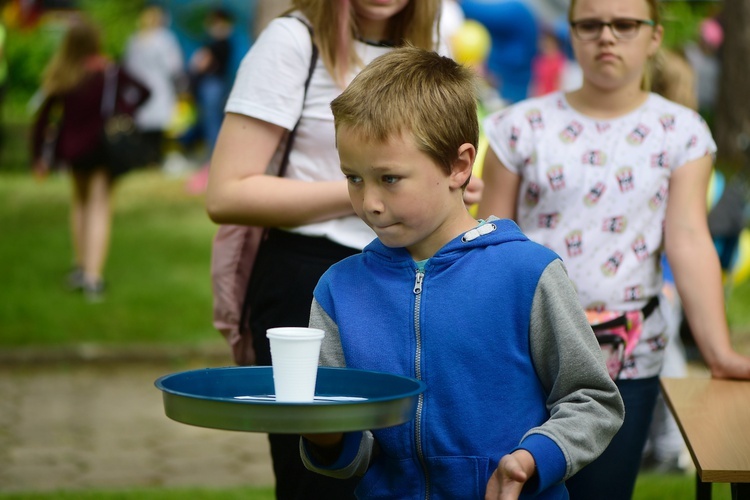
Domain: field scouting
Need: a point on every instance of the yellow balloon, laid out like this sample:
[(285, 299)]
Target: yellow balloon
[(471, 43), (741, 269)]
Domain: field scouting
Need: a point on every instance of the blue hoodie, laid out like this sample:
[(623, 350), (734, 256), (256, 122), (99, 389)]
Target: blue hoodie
[(493, 326)]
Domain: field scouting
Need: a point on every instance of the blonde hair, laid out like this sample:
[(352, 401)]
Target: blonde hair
[(68, 66), (411, 90), (655, 15), (335, 29), (151, 17)]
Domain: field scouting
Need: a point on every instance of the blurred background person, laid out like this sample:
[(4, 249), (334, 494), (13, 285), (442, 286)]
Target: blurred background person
[(209, 72), (513, 27), (68, 131), (548, 65), (153, 56), (704, 58), (3, 84)]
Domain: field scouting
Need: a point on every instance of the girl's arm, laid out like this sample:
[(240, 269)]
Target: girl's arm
[(240, 192), (696, 269), (500, 192)]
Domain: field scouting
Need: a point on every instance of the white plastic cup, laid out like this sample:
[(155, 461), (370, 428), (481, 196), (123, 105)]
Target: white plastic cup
[(294, 356)]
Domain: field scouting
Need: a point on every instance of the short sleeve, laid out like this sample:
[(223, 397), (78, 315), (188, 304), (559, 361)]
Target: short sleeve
[(695, 140), (270, 81), (508, 134)]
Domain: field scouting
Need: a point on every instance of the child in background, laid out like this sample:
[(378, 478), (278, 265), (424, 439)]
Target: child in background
[(517, 397), (609, 176), (67, 131)]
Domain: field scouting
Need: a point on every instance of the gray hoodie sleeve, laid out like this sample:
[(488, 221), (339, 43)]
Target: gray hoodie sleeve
[(585, 406), (332, 354)]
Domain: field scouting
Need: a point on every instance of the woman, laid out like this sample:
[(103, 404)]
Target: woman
[(309, 209)]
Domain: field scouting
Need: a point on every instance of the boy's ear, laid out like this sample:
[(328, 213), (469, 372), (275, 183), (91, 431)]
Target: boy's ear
[(462, 166)]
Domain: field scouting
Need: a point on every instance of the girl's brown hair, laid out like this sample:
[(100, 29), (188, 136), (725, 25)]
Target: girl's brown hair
[(68, 66), (335, 29)]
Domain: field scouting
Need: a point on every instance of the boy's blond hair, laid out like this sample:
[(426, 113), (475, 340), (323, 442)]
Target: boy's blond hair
[(411, 90)]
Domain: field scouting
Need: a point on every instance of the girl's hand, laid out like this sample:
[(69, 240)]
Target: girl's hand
[(732, 365), (511, 474), (473, 191)]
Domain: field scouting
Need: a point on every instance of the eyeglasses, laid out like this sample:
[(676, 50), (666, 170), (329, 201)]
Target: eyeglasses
[(622, 29)]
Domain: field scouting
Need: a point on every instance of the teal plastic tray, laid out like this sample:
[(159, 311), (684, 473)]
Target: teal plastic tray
[(241, 399)]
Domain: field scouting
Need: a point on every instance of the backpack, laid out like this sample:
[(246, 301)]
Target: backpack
[(233, 253)]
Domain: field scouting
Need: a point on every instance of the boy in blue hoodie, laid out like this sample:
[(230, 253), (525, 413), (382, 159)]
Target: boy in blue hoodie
[(518, 398)]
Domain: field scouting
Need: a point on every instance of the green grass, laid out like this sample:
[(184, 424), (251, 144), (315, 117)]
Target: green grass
[(149, 494), (158, 270), (648, 487)]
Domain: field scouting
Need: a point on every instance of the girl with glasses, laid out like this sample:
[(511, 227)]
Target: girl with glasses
[(610, 176)]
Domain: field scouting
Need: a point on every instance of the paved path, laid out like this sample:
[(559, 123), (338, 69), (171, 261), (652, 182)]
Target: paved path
[(101, 425)]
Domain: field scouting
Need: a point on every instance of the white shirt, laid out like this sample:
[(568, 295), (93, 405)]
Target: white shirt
[(595, 192), (270, 86)]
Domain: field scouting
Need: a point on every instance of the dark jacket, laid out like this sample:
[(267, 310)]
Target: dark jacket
[(74, 120)]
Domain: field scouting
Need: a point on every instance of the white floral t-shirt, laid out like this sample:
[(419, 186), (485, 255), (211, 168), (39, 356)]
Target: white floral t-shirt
[(595, 192)]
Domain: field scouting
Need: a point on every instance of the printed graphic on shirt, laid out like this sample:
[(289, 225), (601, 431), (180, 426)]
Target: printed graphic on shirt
[(625, 179), (638, 135), (639, 248), (659, 198), (660, 160), (633, 293), (616, 224), (594, 194), (667, 121), (571, 132), (531, 196), (534, 116), (556, 177), (602, 127), (548, 221), (612, 264), (658, 343), (515, 134), (594, 157), (574, 243)]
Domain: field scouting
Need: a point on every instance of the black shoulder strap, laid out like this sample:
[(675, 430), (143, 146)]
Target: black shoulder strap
[(313, 62)]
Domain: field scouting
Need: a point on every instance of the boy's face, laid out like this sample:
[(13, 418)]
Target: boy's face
[(402, 194)]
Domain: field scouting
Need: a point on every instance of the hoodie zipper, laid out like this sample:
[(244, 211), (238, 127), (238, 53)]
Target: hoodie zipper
[(418, 372)]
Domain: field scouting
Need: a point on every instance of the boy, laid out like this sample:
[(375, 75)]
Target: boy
[(517, 393)]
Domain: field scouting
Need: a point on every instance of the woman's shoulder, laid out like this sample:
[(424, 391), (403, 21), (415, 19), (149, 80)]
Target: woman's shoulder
[(284, 37)]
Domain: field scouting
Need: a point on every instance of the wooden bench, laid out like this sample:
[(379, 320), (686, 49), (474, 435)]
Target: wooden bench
[(714, 418)]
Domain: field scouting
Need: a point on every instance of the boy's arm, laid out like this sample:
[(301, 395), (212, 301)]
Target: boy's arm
[(336, 455), (585, 407)]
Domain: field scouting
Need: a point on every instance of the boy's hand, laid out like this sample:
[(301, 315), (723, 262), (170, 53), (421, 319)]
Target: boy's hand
[(326, 447), (511, 474)]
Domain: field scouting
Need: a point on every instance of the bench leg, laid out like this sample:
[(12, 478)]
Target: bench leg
[(740, 491), (702, 490)]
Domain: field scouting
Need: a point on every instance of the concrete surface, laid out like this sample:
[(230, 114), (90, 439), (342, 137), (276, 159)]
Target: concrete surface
[(95, 422)]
